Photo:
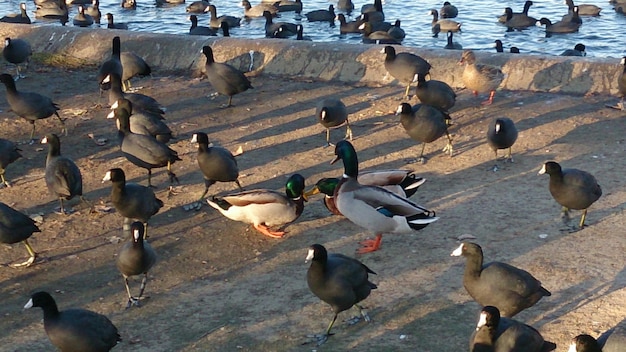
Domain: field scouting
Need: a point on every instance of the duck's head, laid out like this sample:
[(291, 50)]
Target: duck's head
[(489, 316), (550, 168), (294, 188), (345, 151), (324, 185), (584, 342)]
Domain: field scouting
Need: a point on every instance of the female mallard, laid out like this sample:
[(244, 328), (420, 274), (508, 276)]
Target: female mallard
[(264, 208), (374, 208), (480, 78), (401, 182)]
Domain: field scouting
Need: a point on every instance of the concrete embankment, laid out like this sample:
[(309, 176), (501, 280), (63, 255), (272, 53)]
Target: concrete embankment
[(180, 54)]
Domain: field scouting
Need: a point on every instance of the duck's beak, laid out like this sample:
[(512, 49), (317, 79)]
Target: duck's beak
[(311, 192), (335, 159)]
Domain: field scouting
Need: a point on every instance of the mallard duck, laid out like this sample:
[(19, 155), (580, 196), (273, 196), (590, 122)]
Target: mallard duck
[(405, 66), (560, 26), (264, 208), (135, 258), (480, 78), (572, 189), (17, 227), (331, 113), (374, 208), (401, 182), (524, 12), (9, 152), (425, 124), (443, 25), (501, 134)]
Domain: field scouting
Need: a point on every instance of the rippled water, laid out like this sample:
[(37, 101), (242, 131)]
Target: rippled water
[(604, 36)]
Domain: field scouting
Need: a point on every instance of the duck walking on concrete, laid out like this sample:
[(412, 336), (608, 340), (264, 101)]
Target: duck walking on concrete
[(425, 124), (501, 134), (480, 78), (331, 113), (224, 78), (216, 163), (17, 227), (135, 258), (405, 66)]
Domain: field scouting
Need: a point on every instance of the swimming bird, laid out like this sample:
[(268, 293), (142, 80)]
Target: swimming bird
[(199, 30), (405, 66), (224, 78), (435, 93), (111, 24), (271, 27), (28, 105), (376, 36), (573, 16), (396, 31), (448, 10), (523, 14), (9, 152), (560, 26), (572, 189), (215, 21), (579, 50), (63, 177), (112, 65), (53, 10), (135, 258), (520, 21), (217, 164), (17, 51), (340, 281), (17, 227), (145, 151), (289, 5), (197, 6), (348, 27), (425, 124), (451, 44), (506, 334), (75, 329), (401, 182), (374, 11), (128, 4), (584, 9), (479, 77), (374, 208), (443, 25), (322, 15), (250, 11), (498, 284), (131, 200), (345, 5), (82, 19), (264, 208), (141, 122), (331, 113), (94, 11), (501, 134), (21, 17)]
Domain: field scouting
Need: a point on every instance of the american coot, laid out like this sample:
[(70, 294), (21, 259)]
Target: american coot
[(141, 122), (338, 280), (132, 201), (17, 227), (94, 11), (128, 4), (289, 5), (135, 258), (21, 17), (396, 31), (501, 134), (300, 33), (17, 51), (348, 27), (331, 113), (425, 124), (53, 10), (224, 78), (322, 15), (443, 25), (520, 21), (112, 65), (9, 152), (579, 50), (448, 10), (82, 19), (401, 182), (145, 151), (374, 208), (271, 27), (216, 163), (573, 16), (133, 65), (572, 189), (29, 106), (374, 36), (199, 30), (374, 11), (504, 334), (480, 78), (264, 208), (435, 93), (345, 5), (197, 6), (225, 29), (560, 26), (584, 9), (111, 24), (405, 66), (498, 45), (140, 101), (504, 286), (612, 340), (524, 12), (63, 177), (75, 329), (215, 21), (451, 44), (250, 11), (514, 50)]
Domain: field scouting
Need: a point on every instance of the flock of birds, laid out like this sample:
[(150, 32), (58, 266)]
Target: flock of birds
[(378, 201)]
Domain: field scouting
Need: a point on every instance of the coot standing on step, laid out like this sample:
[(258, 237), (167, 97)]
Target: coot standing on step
[(224, 78)]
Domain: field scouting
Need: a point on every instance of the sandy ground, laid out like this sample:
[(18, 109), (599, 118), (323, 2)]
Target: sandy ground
[(221, 286)]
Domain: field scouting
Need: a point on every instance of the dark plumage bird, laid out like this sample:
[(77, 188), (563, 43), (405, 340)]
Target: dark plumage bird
[(133, 66), (425, 124), (28, 105), (224, 78), (345, 5), (584, 9), (141, 122), (514, 50), (519, 21), (613, 340), (435, 93), (111, 24), (145, 151), (451, 44), (200, 30), (572, 189), (128, 4), (560, 26), (21, 17), (17, 227), (579, 50), (377, 36), (131, 200), (112, 65), (135, 258), (448, 10), (405, 66), (140, 101), (321, 15), (63, 178), (94, 11), (217, 164), (9, 152), (215, 21), (522, 14), (348, 27), (621, 83), (17, 51), (396, 31), (573, 16), (272, 27), (331, 113), (506, 335), (497, 284), (82, 19), (501, 134), (225, 29), (53, 10), (374, 11), (289, 5), (250, 11), (197, 6), (338, 280), (75, 329)]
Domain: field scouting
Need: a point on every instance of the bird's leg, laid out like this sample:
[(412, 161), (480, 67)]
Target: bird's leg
[(582, 219), (422, 158), (143, 287), (32, 133), (131, 300), (565, 216), (172, 177), (495, 166), (207, 184), (63, 129), (368, 246), (406, 91), (490, 100), (239, 185), (30, 260), (448, 148), (4, 181), (348, 131), (509, 156), (145, 230), (328, 144), (91, 206), (267, 232), (230, 102), (62, 209)]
